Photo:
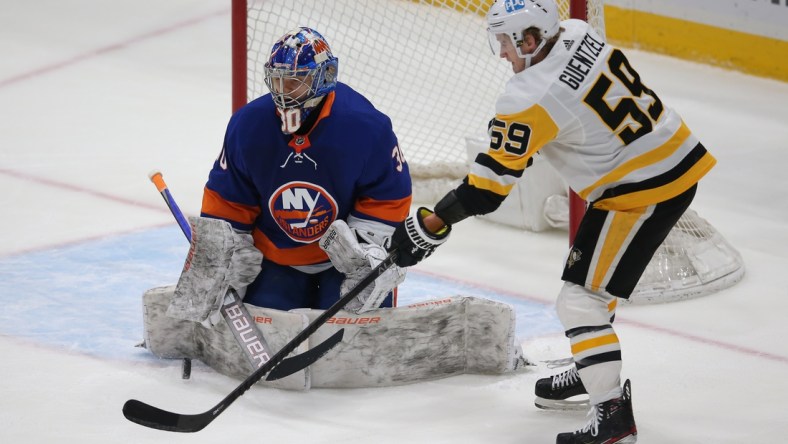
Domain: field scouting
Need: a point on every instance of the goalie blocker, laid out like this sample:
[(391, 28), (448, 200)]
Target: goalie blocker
[(383, 347)]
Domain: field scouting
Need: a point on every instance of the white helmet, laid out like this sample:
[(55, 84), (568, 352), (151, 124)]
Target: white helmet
[(512, 17)]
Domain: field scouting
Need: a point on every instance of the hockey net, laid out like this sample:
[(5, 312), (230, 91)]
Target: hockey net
[(428, 66)]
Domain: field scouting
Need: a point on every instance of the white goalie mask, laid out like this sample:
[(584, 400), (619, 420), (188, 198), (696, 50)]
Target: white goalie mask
[(512, 17)]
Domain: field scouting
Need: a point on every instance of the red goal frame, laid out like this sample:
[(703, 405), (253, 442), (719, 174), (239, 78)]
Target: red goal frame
[(578, 9)]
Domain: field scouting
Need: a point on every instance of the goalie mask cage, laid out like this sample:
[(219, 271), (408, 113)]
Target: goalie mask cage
[(427, 64)]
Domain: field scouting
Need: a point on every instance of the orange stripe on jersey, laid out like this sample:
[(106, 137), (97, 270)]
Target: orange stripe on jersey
[(326, 111), (389, 210), (644, 160), (217, 206), (617, 233), (306, 255)]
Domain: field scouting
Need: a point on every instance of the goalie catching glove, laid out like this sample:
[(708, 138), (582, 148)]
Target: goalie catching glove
[(355, 253), (219, 258), (413, 241)]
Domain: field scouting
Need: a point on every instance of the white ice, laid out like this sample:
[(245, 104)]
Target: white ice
[(94, 94)]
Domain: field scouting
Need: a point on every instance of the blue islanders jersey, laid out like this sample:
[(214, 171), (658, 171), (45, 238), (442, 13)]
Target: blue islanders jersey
[(288, 188)]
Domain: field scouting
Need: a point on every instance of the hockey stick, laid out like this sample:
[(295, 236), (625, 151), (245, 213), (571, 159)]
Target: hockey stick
[(156, 177), (239, 320), (156, 418)]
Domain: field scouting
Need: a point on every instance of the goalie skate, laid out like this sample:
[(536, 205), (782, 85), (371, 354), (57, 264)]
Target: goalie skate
[(563, 391)]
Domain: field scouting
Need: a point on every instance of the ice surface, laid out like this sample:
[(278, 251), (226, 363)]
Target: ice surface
[(96, 94)]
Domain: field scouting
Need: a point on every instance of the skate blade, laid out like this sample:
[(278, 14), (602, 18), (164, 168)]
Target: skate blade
[(562, 404)]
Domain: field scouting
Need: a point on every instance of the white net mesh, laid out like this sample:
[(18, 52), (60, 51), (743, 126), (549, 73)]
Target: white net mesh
[(427, 64), (694, 260)]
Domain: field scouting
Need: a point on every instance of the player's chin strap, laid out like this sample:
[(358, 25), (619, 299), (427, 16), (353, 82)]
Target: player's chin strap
[(529, 57)]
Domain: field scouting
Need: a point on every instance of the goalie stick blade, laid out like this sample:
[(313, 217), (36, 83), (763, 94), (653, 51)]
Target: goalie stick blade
[(296, 363), (156, 418)]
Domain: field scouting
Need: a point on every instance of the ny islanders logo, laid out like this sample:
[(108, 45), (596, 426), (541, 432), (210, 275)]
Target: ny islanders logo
[(302, 210)]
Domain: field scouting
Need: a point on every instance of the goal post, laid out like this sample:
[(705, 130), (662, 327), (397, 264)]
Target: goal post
[(591, 11), (428, 66), (238, 53), (578, 9)]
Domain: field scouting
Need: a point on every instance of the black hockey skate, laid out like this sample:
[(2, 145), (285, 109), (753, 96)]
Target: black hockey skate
[(564, 391), (609, 422)]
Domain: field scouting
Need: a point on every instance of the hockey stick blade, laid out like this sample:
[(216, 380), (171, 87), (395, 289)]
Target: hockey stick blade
[(149, 416), (156, 418), (296, 363)]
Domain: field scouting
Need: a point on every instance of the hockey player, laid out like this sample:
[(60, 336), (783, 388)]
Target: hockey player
[(578, 102), (310, 155)]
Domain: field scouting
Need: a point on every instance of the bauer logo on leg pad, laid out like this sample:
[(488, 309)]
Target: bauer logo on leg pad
[(354, 320), (247, 334)]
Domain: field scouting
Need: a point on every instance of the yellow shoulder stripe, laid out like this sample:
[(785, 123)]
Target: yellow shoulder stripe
[(543, 130)]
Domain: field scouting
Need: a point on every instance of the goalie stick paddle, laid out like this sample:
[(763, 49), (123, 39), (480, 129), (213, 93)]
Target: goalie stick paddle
[(288, 366), (156, 418), (299, 362)]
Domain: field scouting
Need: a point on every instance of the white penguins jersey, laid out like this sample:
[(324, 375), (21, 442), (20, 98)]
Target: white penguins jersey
[(585, 109)]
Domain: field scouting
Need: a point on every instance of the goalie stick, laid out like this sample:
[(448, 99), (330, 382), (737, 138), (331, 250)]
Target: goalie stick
[(239, 321), (156, 418)]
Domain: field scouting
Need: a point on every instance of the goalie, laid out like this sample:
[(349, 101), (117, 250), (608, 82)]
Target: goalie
[(311, 153), (578, 101), (310, 156)]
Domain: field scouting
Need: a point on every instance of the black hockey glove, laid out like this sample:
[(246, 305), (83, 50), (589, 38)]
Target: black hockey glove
[(413, 242)]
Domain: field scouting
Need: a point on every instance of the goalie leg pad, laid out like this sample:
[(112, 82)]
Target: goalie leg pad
[(217, 347), (166, 337), (383, 347), (420, 342)]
